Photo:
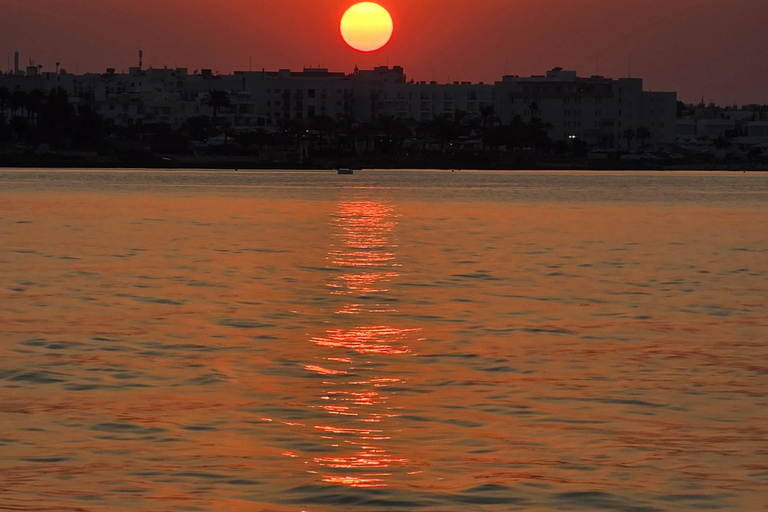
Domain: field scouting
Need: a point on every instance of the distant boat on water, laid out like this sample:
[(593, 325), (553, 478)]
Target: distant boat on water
[(346, 170)]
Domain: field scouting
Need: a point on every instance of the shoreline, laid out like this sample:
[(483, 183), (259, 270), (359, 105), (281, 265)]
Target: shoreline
[(169, 162)]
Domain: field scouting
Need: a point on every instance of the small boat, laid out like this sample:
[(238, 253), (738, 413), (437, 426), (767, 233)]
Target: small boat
[(346, 170)]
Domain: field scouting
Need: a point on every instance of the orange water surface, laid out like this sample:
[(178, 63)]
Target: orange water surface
[(288, 341)]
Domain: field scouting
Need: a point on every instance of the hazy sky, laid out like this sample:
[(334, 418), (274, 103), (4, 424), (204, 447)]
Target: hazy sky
[(716, 49)]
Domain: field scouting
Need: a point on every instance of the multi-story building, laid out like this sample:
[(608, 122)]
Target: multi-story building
[(306, 94), (597, 110)]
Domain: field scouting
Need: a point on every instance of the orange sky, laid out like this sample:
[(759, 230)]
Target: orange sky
[(717, 49)]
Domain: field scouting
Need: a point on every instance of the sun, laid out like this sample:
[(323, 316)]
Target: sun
[(366, 27)]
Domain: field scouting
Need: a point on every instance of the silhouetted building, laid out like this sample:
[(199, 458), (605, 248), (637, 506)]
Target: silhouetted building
[(597, 110)]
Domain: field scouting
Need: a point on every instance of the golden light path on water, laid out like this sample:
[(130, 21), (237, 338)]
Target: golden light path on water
[(442, 342), (364, 254)]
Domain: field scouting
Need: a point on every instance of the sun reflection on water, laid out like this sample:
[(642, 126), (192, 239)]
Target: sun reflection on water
[(355, 394), (375, 339)]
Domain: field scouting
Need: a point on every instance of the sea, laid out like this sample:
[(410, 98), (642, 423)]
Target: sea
[(437, 341)]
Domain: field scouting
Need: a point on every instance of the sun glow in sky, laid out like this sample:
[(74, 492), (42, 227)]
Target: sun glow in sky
[(701, 48), (366, 27)]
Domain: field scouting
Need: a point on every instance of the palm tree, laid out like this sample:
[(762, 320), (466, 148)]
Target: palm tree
[(56, 119), (216, 99), (34, 103), (488, 113), (537, 134), (643, 133), (394, 129), (17, 101), (5, 96), (198, 128), (534, 106), (443, 128), (488, 129), (629, 134)]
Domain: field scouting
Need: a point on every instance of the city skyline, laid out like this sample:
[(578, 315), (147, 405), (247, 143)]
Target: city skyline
[(702, 49), (597, 110)]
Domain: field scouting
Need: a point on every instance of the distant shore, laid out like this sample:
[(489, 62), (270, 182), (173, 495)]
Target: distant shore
[(153, 161)]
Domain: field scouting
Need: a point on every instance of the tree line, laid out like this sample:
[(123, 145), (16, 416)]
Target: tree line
[(35, 118)]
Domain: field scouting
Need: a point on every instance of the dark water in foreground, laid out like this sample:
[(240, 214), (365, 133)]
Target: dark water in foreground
[(301, 341)]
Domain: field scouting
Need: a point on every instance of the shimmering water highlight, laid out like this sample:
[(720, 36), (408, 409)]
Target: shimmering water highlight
[(287, 341)]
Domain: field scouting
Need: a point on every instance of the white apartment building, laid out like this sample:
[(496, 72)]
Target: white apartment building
[(306, 94), (758, 129), (423, 101), (596, 109)]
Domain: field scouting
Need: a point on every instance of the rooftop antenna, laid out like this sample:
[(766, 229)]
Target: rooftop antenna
[(57, 67), (141, 59)]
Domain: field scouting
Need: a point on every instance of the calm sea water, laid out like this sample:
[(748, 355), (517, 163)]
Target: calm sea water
[(399, 340)]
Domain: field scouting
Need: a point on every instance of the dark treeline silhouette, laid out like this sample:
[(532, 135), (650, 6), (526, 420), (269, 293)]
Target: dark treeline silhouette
[(30, 120), (40, 128), (37, 118)]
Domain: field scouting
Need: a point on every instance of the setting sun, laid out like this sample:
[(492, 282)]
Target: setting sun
[(366, 27)]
